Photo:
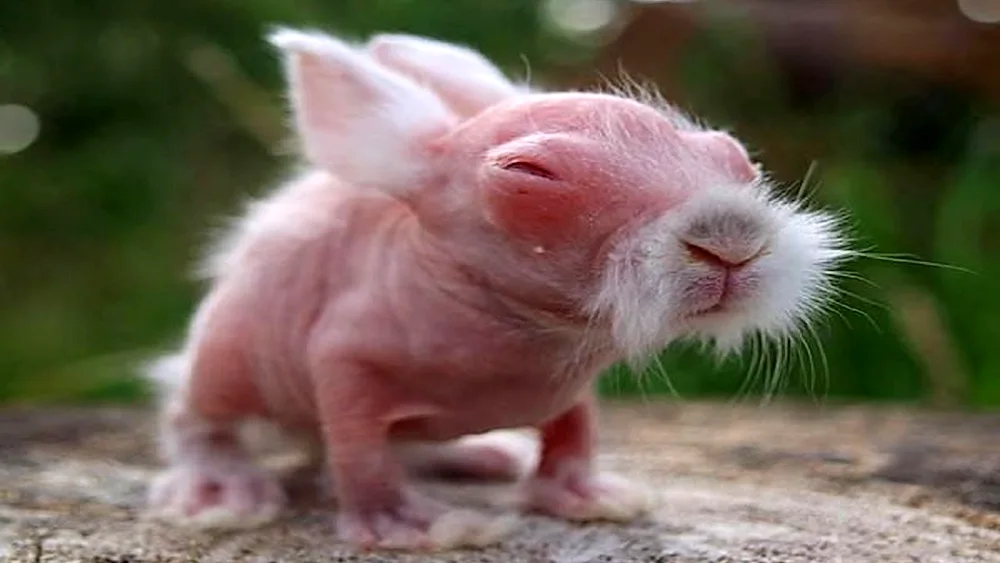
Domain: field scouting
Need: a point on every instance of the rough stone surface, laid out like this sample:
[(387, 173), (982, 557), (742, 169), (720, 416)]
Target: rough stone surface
[(778, 483)]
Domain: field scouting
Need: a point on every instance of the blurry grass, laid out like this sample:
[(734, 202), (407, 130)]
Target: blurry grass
[(105, 379)]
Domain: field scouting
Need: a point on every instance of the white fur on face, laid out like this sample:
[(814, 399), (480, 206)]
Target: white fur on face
[(653, 291)]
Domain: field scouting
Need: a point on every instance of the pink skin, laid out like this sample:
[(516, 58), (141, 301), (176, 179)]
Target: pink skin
[(461, 257)]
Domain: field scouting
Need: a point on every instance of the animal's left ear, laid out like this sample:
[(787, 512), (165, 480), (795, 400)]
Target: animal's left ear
[(466, 80), (722, 150), (360, 121)]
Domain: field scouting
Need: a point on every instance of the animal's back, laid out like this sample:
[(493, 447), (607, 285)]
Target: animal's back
[(305, 211)]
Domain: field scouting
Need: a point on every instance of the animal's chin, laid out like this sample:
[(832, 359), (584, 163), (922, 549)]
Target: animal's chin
[(705, 318), (720, 319), (719, 307)]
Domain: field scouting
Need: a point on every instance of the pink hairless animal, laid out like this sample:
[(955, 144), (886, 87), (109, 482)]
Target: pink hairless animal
[(464, 256)]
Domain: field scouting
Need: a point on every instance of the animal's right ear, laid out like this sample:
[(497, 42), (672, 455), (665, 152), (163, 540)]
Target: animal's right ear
[(462, 77), (367, 125)]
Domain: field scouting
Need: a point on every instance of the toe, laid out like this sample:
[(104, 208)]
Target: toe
[(463, 527), (605, 497), (202, 498)]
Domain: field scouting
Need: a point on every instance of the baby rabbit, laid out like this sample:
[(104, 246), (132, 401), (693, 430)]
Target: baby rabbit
[(463, 255)]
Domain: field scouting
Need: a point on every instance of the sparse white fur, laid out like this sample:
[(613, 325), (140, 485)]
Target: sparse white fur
[(457, 62), (461, 76), (279, 215), (168, 372)]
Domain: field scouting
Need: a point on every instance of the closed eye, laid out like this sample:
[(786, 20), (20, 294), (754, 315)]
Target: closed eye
[(529, 168)]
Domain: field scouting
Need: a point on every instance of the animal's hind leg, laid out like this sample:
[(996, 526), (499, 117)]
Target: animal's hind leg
[(211, 480)]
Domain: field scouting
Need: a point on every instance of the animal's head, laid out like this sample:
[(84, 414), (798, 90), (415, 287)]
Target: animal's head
[(607, 206)]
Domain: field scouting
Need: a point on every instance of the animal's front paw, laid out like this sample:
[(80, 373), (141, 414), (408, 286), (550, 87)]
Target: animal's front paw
[(224, 496), (576, 494), (420, 524)]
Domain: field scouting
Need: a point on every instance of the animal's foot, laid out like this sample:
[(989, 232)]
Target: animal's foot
[(421, 524), (224, 496), (576, 494)]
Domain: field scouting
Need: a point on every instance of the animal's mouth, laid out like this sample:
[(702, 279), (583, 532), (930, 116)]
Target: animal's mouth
[(717, 300), (734, 295)]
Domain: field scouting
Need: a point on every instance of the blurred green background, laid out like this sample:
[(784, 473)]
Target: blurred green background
[(129, 129)]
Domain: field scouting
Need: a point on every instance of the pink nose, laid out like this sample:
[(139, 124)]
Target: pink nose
[(725, 257)]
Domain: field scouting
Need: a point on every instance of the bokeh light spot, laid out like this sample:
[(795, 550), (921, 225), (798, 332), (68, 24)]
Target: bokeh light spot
[(19, 127), (982, 11), (580, 16)]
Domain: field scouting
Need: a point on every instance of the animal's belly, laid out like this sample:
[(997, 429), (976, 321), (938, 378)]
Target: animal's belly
[(488, 410)]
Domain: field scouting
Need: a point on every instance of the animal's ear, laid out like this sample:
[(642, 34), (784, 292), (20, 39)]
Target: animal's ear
[(365, 124), (462, 77), (722, 150)]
